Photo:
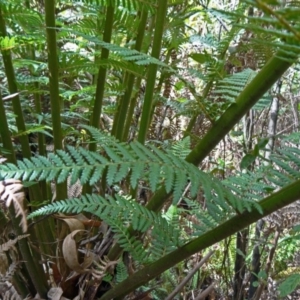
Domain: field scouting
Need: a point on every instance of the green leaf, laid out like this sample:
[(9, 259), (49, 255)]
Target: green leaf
[(200, 58), (262, 143), (262, 274), (239, 252), (255, 283), (289, 285), (247, 160)]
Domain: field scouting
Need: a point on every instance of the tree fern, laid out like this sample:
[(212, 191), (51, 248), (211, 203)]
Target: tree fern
[(118, 213), (129, 4), (121, 160), (126, 54)]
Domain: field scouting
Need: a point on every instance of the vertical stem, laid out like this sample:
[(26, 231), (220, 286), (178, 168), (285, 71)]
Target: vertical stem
[(35, 271), (240, 266), (131, 110), (13, 89), (61, 189), (262, 286), (255, 260), (125, 100), (101, 78), (157, 41), (253, 290)]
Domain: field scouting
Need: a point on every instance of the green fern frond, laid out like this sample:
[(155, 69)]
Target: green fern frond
[(129, 55), (182, 148), (118, 213), (230, 87), (121, 273), (7, 43), (73, 63), (128, 4), (134, 159), (282, 171), (22, 19)]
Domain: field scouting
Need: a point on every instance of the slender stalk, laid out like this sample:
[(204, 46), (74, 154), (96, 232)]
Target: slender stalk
[(270, 204), (13, 89), (61, 189), (5, 134), (205, 293), (35, 271), (125, 100), (132, 106), (151, 77), (101, 78), (268, 265), (189, 276)]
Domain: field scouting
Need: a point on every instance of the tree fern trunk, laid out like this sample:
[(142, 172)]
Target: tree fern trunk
[(255, 260), (259, 225), (240, 265), (151, 77)]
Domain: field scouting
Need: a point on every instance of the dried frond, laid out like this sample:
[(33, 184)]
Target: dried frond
[(8, 292), (11, 191), (9, 274), (8, 245), (105, 266)]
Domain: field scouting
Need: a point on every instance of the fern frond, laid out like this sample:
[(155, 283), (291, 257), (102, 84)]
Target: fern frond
[(7, 290), (8, 245), (118, 213), (7, 43), (128, 4), (230, 87), (129, 55), (122, 273), (11, 193), (136, 160)]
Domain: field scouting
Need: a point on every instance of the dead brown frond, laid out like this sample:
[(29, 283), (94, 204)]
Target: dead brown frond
[(103, 267), (9, 274), (8, 245), (7, 290), (11, 192)]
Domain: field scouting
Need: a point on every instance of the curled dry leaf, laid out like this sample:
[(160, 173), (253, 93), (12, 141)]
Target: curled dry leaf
[(80, 217), (72, 223), (11, 192), (70, 254)]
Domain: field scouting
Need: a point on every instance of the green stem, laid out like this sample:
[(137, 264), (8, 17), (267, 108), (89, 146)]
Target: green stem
[(61, 189), (125, 100), (151, 78), (13, 89), (35, 271), (101, 77), (270, 204), (132, 106)]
